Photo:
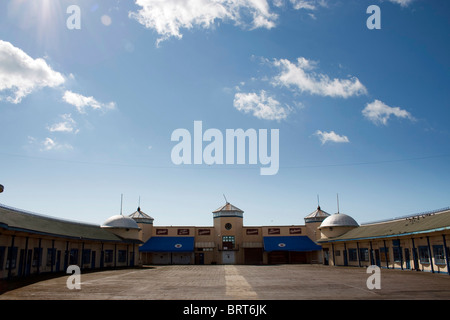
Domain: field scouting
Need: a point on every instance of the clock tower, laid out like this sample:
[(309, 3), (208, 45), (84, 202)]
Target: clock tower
[(228, 223)]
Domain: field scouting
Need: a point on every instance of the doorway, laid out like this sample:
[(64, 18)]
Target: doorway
[(407, 259), (228, 257), (377, 257)]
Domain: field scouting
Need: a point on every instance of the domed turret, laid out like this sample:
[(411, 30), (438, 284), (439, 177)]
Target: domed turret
[(123, 227), (141, 217), (145, 222), (119, 221), (337, 224), (312, 222), (339, 220), (317, 216), (228, 210)]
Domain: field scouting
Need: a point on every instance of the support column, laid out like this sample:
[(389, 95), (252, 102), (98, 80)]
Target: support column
[(82, 256), (10, 256), (415, 258), (66, 256), (372, 259), (25, 259), (430, 254), (39, 256), (386, 255), (115, 254), (345, 255), (53, 256), (446, 255), (334, 258), (358, 253)]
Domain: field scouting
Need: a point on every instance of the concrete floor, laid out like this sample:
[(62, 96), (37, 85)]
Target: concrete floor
[(230, 282)]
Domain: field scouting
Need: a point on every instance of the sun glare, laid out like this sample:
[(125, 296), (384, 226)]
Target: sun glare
[(42, 16)]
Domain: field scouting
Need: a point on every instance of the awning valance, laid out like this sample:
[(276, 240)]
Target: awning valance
[(290, 243), (168, 244)]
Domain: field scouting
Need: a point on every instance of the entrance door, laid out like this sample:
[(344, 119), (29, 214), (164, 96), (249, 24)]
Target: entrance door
[(93, 259), (200, 258), (278, 257), (377, 257), (415, 259), (253, 255), (408, 263), (297, 257), (228, 257), (326, 256), (21, 261), (58, 260), (28, 262)]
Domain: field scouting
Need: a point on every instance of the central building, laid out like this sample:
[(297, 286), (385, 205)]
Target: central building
[(229, 241)]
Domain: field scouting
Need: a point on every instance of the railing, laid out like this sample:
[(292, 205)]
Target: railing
[(410, 216), (228, 248)]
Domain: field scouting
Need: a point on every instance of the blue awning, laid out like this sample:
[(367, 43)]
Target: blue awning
[(168, 244), (290, 243)]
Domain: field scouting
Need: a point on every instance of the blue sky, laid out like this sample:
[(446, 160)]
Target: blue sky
[(87, 114)]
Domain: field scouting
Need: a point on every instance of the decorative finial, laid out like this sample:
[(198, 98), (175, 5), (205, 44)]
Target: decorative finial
[(121, 203), (337, 197)]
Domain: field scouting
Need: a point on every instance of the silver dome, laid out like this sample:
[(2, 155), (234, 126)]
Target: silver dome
[(119, 221), (339, 220)]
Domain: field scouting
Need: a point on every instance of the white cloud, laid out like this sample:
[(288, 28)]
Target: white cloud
[(66, 125), (278, 3), (403, 3), (20, 74), (308, 4), (331, 137), (302, 77), (168, 17), (261, 106), (49, 144), (81, 102), (379, 113)]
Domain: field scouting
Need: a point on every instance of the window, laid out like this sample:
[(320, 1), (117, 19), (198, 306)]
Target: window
[(364, 254), (108, 256), (337, 253), (384, 254), (87, 256), (397, 251), (424, 255), (37, 257), (228, 239), (12, 257), (122, 256), (439, 254), (352, 255), (50, 257), (73, 257), (228, 242), (2, 257)]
